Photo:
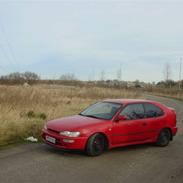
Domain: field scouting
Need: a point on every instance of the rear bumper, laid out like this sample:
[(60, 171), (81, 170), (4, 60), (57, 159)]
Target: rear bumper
[(78, 143)]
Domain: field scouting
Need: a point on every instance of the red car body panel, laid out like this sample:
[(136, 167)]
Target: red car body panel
[(119, 133)]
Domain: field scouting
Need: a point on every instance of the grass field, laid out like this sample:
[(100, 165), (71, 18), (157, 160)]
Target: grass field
[(172, 93), (24, 110)]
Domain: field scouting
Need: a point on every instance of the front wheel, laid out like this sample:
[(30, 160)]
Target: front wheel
[(96, 145), (164, 138)]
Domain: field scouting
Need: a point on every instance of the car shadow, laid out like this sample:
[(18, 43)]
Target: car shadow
[(51, 149), (71, 153), (129, 148)]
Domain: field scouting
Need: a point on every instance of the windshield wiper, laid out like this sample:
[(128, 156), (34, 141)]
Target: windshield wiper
[(92, 116)]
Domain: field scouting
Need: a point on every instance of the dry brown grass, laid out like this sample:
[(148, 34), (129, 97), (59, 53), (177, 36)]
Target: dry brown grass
[(51, 100), (168, 92)]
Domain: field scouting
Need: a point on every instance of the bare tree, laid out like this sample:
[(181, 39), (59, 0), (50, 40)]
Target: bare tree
[(30, 76), (68, 77), (22, 76)]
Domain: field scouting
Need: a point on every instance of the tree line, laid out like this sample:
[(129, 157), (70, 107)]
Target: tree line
[(19, 78), (71, 79)]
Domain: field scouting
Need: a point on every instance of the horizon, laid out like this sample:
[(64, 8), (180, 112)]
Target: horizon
[(88, 38)]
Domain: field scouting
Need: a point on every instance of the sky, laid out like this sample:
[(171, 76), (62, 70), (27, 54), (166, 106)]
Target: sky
[(87, 38)]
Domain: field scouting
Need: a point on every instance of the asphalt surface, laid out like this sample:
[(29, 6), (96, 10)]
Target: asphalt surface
[(39, 163)]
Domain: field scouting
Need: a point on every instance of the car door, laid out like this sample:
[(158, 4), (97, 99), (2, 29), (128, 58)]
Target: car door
[(131, 129), (154, 117)]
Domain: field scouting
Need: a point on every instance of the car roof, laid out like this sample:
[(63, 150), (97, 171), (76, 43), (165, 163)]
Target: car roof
[(128, 101)]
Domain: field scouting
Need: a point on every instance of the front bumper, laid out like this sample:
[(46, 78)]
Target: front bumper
[(78, 143)]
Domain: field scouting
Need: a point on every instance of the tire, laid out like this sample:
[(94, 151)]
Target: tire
[(164, 138), (96, 145)]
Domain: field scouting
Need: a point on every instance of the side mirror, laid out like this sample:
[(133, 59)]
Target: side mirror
[(121, 118)]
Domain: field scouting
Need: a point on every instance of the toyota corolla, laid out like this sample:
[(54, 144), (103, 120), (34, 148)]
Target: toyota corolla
[(113, 123)]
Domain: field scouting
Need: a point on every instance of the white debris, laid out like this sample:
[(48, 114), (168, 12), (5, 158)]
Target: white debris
[(26, 84), (31, 139)]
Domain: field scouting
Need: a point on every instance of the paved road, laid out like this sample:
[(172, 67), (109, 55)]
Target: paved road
[(38, 163)]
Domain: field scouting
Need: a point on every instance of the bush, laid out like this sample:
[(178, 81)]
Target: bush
[(42, 116), (31, 114)]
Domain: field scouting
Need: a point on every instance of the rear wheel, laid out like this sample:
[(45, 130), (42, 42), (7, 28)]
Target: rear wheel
[(164, 138), (96, 145)]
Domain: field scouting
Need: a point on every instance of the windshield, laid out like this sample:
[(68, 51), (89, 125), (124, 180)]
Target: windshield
[(102, 110)]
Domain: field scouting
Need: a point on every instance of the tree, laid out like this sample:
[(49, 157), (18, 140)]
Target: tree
[(68, 77), (14, 76), (137, 83), (170, 83), (17, 77), (30, 76)]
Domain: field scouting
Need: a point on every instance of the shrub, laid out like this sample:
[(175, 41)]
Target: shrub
[(30, 114), (42, 116)]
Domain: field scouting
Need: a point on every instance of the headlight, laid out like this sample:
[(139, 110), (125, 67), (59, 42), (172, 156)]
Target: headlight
[(70, 134)]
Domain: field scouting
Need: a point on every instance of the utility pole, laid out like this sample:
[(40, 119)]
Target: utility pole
[(167, 71), (119, 74), (180, 73), (102, 75), (93, 74)]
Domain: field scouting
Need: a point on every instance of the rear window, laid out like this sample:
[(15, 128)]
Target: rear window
[(152, 111)]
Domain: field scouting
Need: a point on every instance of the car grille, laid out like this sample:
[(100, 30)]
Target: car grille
[(54, 131)]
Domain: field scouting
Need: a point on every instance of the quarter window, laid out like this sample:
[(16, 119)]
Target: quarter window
[(133, 111), (152, 111)]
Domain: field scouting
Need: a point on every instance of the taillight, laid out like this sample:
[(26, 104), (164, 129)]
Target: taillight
[(173, 116)]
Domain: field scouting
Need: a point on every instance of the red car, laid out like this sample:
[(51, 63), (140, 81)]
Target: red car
[(113, 123)]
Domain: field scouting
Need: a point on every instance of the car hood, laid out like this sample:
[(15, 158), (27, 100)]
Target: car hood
[(72, 123)]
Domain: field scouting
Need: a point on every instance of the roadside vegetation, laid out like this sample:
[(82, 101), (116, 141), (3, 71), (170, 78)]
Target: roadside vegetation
[(27, 101), (24, 109), (170, 93)]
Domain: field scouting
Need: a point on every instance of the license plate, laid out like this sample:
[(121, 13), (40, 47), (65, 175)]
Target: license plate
[(50, 139)]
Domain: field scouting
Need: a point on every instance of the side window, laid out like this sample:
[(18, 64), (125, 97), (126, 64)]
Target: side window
[(133, 111), (152, 111)]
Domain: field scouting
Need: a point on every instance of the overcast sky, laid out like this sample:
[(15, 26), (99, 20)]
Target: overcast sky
[(85, 37)]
